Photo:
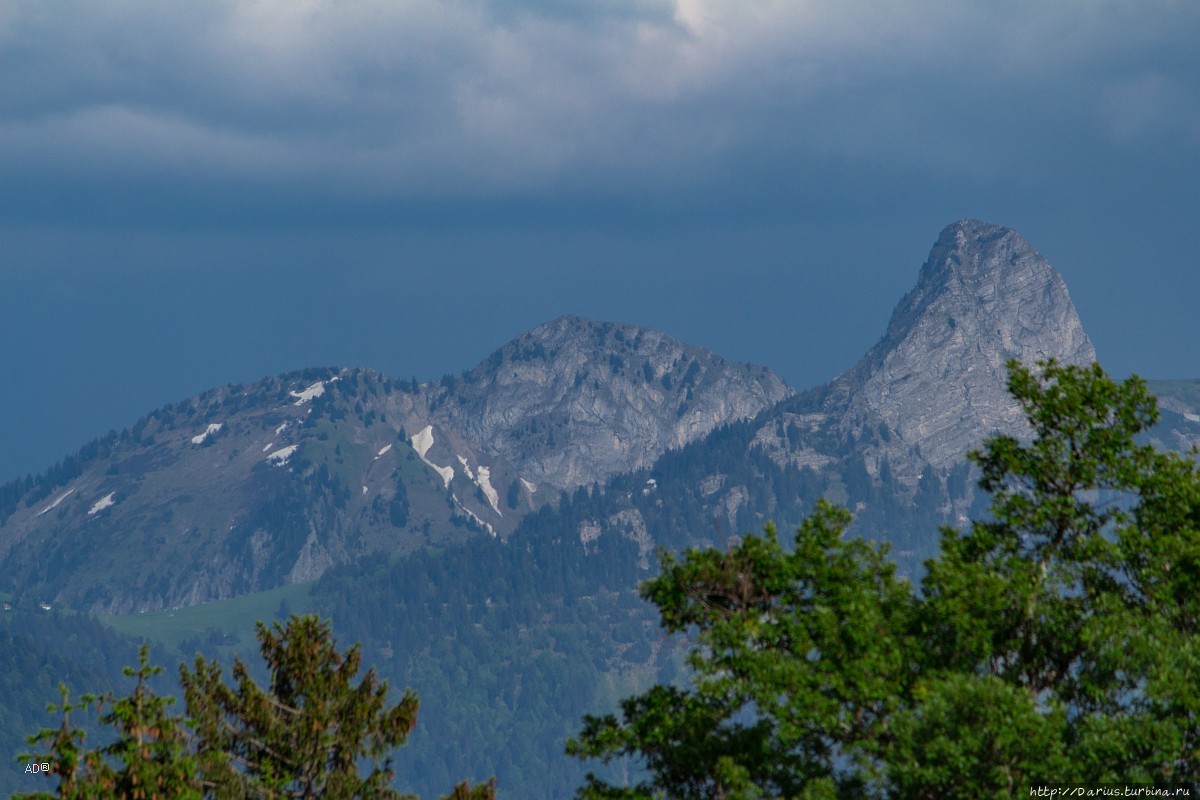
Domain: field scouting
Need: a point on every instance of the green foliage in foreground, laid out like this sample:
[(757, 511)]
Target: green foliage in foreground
[(1056, 641), (308, 735), (38, 651)]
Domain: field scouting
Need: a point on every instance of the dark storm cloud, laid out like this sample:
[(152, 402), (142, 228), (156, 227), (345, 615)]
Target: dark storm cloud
[(326, 104)]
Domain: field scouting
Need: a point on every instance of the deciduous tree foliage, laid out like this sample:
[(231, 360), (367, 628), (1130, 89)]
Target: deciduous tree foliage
[(1055, 641), (310, 734)]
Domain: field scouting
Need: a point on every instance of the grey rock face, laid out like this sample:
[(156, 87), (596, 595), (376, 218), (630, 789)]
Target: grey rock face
[(935, 385), (937, 377), (574, 401), (1178, 427), (245, 488)]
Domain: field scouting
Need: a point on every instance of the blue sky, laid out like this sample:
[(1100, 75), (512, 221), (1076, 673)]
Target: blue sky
[(203, 193)]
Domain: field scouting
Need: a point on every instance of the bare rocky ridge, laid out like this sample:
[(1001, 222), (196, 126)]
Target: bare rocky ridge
[(574, 402), (249, 487), (888, 437)]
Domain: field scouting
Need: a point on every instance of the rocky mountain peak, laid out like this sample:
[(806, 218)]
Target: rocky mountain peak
[(570, 327), (575, 401), (937, 377), (984, 288), (967, 249)]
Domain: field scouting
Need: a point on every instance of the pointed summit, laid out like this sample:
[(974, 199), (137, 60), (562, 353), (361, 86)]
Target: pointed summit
[(984, 289), (937, 377)]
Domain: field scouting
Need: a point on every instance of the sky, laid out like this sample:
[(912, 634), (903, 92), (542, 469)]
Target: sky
[(195, 194)]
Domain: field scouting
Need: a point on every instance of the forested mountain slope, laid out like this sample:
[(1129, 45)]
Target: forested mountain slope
[(39, 650), (248, 487)]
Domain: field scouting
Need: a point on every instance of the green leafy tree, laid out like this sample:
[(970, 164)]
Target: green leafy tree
[(1055, 641), (1081, 589), (796, 661), (464, 791)]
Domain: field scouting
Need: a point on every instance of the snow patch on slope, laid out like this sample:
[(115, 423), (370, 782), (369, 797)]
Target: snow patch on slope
[(54, 505), (312, 392), (209, 431), (101, 504), (473, 515), (383, 450), (281, 456), (421, 442), (482, 480), (529, 486), (447, 473), (485, 483), (466, 467)]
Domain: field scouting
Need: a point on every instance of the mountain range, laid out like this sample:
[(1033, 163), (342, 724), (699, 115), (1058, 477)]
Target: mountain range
[(569, 454), (249, 487)]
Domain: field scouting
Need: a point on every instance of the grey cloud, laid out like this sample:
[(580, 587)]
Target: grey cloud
[(463, 99)]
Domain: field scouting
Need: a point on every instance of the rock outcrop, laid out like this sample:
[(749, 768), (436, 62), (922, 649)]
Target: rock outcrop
[(244, 488), (935, 385), (937, 378), (574, 402)]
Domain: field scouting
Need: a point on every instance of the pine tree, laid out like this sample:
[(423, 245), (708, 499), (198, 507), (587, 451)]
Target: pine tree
[(303, 736), (148, 759), (308, 735)]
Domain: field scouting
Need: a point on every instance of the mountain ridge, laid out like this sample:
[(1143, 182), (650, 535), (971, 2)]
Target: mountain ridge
[(246, 487), (887, 437), (610, 410)]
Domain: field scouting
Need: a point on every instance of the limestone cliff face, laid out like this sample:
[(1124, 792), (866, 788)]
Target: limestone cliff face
[(937, 378), (935, 385), (575, 401)]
